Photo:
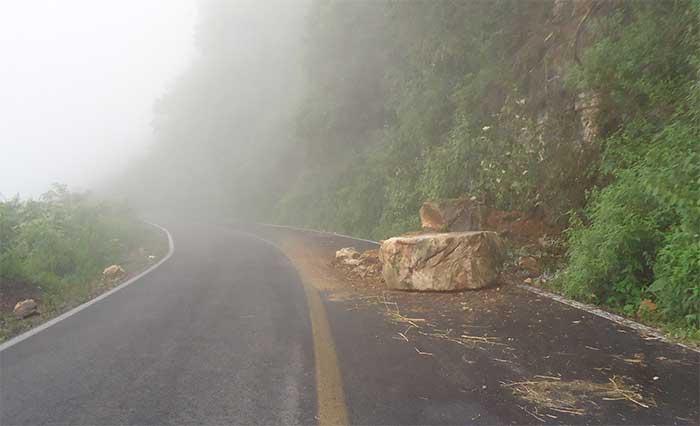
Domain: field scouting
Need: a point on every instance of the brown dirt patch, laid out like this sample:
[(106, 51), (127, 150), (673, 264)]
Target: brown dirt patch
[(317, 264), (518, 226)]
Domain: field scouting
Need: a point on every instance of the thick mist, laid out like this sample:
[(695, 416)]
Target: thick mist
[(224, 138), (78, 79)]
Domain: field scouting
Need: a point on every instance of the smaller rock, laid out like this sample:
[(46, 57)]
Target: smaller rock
[(25, 308), (360, 264), (347, 253), (530, 265), (113, 272), (528, 281), (360, 270), (352, 262)]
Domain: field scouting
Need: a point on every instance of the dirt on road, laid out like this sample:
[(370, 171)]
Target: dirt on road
[(527, 357)]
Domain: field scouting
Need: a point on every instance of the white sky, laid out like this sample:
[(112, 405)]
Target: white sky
[(78, 79)]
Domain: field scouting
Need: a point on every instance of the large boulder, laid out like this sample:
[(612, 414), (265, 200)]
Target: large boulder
[(25, 308), (455, 215), (442, 261)]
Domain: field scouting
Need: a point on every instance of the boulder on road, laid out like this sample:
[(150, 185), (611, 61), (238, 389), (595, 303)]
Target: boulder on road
[(442, 261), (25, 308), (113, 272)]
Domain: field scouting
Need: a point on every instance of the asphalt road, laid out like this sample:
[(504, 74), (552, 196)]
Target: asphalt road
[(218, 334), (226, 332)]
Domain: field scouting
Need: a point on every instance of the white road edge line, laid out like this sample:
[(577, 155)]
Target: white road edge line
[(314, 231), (638, 327), (634, 325), (44, 326)]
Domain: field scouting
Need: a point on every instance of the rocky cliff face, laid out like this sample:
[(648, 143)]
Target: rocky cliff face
[(554, 123), (549, 48)]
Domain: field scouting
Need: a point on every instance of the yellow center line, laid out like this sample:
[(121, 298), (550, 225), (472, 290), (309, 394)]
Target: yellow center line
[(332, 409), (330, 394)]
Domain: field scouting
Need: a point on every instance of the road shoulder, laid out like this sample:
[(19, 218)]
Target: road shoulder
[(137, 266)]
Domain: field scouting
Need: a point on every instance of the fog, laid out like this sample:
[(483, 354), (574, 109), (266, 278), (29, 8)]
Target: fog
[(78, 79), (224, 136)]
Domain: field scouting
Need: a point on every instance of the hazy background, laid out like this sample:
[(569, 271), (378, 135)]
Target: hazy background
[(78, 79)]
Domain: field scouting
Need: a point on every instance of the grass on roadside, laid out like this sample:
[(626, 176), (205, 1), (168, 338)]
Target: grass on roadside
[(54, 250)]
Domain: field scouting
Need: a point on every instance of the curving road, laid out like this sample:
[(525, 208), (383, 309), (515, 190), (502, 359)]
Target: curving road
[(225, 332), (218, 334)]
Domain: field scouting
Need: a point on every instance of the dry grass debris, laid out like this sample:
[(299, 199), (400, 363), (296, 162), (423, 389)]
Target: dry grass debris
[(577, 396), (425, 328)]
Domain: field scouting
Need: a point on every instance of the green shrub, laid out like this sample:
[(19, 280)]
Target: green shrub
[(677, 278), (63, 241), (644, 234), (639, 237)]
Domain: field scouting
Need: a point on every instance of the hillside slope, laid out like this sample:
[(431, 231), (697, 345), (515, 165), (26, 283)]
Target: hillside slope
[(346, 116)]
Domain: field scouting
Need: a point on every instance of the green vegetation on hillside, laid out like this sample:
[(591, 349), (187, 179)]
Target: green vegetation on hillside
[(583, 113), (639, 236), (54, 249), (463, 117), (435, 99)]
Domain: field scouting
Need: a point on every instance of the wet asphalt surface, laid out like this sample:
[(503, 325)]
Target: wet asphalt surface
[(220, 334), (387, 382)]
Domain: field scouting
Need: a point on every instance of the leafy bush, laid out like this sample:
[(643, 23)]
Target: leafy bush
[(63, 241), (643, 238), (639, 236), (443, 82)]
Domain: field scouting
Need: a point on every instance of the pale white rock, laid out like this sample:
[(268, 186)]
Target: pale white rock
[(25, 308), (588, 106), (442, 261), (352, 262), (347, 253), (113, 272)]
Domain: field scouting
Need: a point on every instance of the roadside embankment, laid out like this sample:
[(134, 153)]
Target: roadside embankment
[(65, 250)]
